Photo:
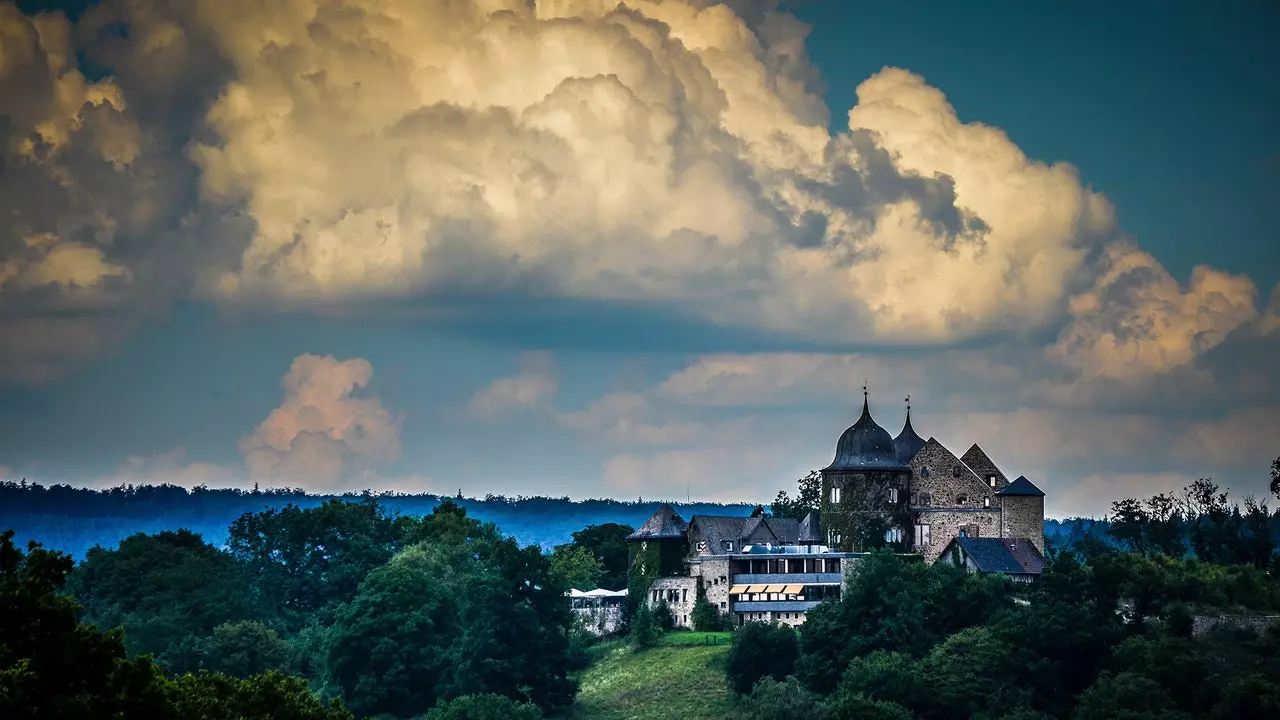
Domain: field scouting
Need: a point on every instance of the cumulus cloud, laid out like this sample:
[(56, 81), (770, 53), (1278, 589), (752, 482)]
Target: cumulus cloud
[(672, 150), (323, 433), (533, 387), (83, 199)]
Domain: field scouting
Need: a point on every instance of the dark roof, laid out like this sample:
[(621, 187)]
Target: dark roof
[(865, 446), (1017, 556), (908, 443), (811, 528), (715, 529), (664, 524), (1021, 486)]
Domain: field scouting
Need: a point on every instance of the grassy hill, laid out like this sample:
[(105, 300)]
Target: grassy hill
[(683, 677)]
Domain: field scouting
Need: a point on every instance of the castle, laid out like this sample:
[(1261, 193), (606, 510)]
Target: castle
[(906, 493)]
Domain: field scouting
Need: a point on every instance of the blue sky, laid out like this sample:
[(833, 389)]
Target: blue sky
[(615, 252)]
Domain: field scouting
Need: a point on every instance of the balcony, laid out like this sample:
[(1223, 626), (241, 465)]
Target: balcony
[(775, 606), (786, 578)]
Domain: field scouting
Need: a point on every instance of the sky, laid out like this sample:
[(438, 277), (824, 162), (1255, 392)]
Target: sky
[(581, 248)]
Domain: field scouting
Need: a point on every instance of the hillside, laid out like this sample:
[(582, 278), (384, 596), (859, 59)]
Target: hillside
[(683, 677)]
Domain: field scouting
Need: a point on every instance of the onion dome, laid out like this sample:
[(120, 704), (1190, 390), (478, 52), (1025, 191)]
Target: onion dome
[(908, 443), (865, 446)]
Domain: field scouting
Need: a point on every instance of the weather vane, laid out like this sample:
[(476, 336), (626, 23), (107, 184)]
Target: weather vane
[(907, 400), (864, 388)]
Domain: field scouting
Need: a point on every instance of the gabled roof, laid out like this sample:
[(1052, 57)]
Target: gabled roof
[(715, 529), (981, 464), (1016, 556), (664, 524), (1021, 486), (810, 528)]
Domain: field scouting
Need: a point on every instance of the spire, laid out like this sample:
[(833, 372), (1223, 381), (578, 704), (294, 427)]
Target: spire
[(908, 443), (866, 409)]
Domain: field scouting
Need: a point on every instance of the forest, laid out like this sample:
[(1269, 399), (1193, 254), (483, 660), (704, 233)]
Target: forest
[(349, 609)]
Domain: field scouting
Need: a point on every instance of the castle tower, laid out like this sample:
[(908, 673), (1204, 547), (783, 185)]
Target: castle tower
[(864, 488), (1022, 512)]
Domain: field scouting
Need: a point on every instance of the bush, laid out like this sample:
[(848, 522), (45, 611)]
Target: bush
[(761, 651), (645, 630), (483, 707), (706, 617), (665, 618), (788, 700)]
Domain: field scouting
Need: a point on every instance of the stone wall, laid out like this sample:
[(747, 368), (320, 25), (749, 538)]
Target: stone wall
[(601, 619), (680, 593), (864, 497), (1257, 623), (945, 524), (948, 482), (714, 575), (1024, 518)]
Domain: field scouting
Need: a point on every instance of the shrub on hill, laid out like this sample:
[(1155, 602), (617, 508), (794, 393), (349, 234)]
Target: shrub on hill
[(760, 651)]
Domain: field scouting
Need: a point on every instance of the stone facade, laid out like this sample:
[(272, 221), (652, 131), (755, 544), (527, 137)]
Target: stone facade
[(848, 497), (1202, 624), (946, 524), (713, 575), (939, 479), (1024, 518), (680, 593)]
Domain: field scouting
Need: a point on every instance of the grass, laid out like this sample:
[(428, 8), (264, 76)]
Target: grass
[(682, 677)]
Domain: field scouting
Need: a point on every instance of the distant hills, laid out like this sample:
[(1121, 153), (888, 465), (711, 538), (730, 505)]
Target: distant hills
[(75, 519)]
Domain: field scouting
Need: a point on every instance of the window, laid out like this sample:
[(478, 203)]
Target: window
[(955, 471), (723, 604), (835, 495), (684, 595), (893, 535), (728, 545), (962, 499), (926, 499), (986, 502), (991, 480), (915, 500), (893, 495), (922, 535)]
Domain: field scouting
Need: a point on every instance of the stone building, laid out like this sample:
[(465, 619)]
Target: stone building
[(905, 492), (763, 569), (919, 494)]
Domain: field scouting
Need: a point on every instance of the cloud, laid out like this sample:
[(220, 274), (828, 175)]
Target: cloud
[(172, 468), (532, 388), (323, 434), (84, 196), (672, 153)]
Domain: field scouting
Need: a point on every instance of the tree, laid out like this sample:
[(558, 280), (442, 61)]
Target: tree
[(576, 567), (440, 621), (808, 497), (1127, 696), (608, 542), (53, 667), (168, 591), (1275, 477), (786, 700), (483, 707), (244, 648), (270, 696), (705, 616), (304, 560), (1130, 523), (645, 628), (760, 651)]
